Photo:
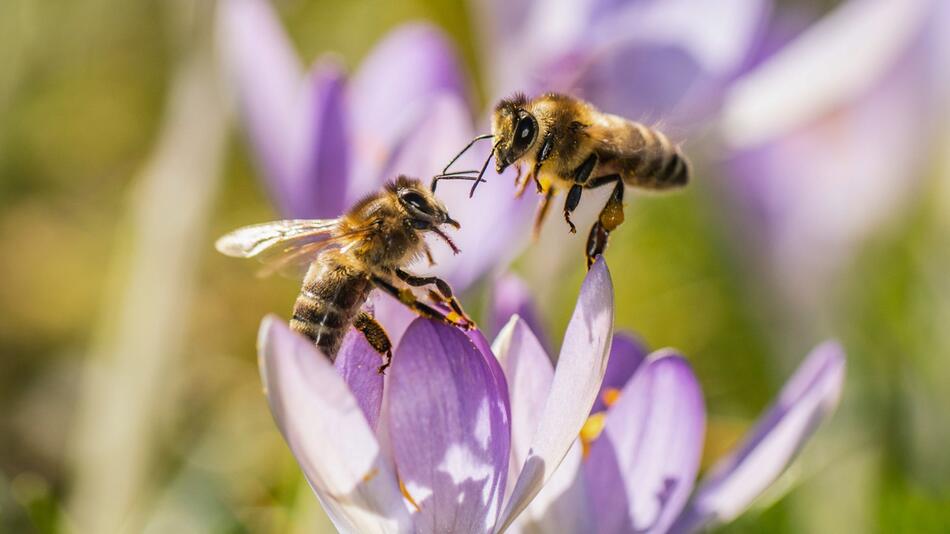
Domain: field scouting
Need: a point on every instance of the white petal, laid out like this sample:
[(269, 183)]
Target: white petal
[(580, 370)]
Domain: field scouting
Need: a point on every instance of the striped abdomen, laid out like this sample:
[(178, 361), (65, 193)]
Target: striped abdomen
[(655, 162), (329, 300)]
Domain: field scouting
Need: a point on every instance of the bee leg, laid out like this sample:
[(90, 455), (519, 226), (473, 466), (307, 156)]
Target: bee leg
[(596, 243), (570, 203), (542, 212), (376, 337), (581, 174), (408, 298), (544, 152), (611, 216), (521, 182), (428, 252), (444, 294)]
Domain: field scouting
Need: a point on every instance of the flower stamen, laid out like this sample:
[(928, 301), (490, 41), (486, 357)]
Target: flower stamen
[(405, 493), (591, 431), (610, 396)]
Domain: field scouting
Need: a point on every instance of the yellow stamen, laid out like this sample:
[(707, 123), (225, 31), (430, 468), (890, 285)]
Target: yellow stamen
[(591, 431), (610, 396), (370, 475), (405, 493)]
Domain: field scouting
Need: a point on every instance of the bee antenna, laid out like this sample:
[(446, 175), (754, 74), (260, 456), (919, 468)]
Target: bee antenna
[(445, 171), (481, 173), (455, 175)]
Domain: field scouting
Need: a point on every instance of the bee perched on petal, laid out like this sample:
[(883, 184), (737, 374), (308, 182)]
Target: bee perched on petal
[(568, 144), (367, 248)]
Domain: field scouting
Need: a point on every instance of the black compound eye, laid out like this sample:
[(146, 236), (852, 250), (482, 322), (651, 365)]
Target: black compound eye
[(416, 201), (524, 130)]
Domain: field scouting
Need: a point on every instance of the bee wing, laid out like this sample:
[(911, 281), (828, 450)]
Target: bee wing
[(252, 241), (287, 243)]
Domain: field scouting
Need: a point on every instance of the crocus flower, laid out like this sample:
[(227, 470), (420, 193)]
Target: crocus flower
[(639, 453), (648, 60), (436, 446), (322, 139), (830, 136)]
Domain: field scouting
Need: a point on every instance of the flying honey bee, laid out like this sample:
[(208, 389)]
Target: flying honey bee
[(570, 145), (365, 249)]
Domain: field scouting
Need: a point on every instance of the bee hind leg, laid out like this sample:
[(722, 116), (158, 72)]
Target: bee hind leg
[(581, 175), (377, 338), (611, 216)]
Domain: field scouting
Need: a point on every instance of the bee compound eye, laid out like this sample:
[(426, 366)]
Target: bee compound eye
[(416, 201), (524, 130)]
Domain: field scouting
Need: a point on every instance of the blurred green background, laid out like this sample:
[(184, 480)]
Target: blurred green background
[(86, 92)]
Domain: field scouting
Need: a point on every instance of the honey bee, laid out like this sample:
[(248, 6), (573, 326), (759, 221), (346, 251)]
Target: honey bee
[(367, 248), (570, 145)]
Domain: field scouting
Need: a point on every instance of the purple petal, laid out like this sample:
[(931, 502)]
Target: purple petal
[(816, 174), (320, 190), (448, 429), (626, 354), (828, 65), (719, 48), (328, 434), (735, 481), (577, 378), (641, 469), (668, 51), (510, 296), (664, 77), (317, 189), (392, 90), (267, 75), (358, 364)]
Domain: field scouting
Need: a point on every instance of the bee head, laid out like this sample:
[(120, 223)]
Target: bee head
[(419, 206), (515, 130), (422, 211)]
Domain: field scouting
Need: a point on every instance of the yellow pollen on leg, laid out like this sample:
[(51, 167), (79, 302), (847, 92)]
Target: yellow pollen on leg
[(591, 431), (406, 296), (610, 396)]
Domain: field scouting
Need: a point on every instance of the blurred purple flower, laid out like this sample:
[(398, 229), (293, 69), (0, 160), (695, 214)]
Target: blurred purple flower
[(832, 133), (635, 466), (322, 141), (645, 59), (435, 450)]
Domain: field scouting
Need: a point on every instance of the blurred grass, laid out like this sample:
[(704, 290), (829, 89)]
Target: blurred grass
[(81, 95)]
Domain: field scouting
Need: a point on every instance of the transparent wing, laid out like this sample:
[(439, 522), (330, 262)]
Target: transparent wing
[(252, 241), (286, 246)]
